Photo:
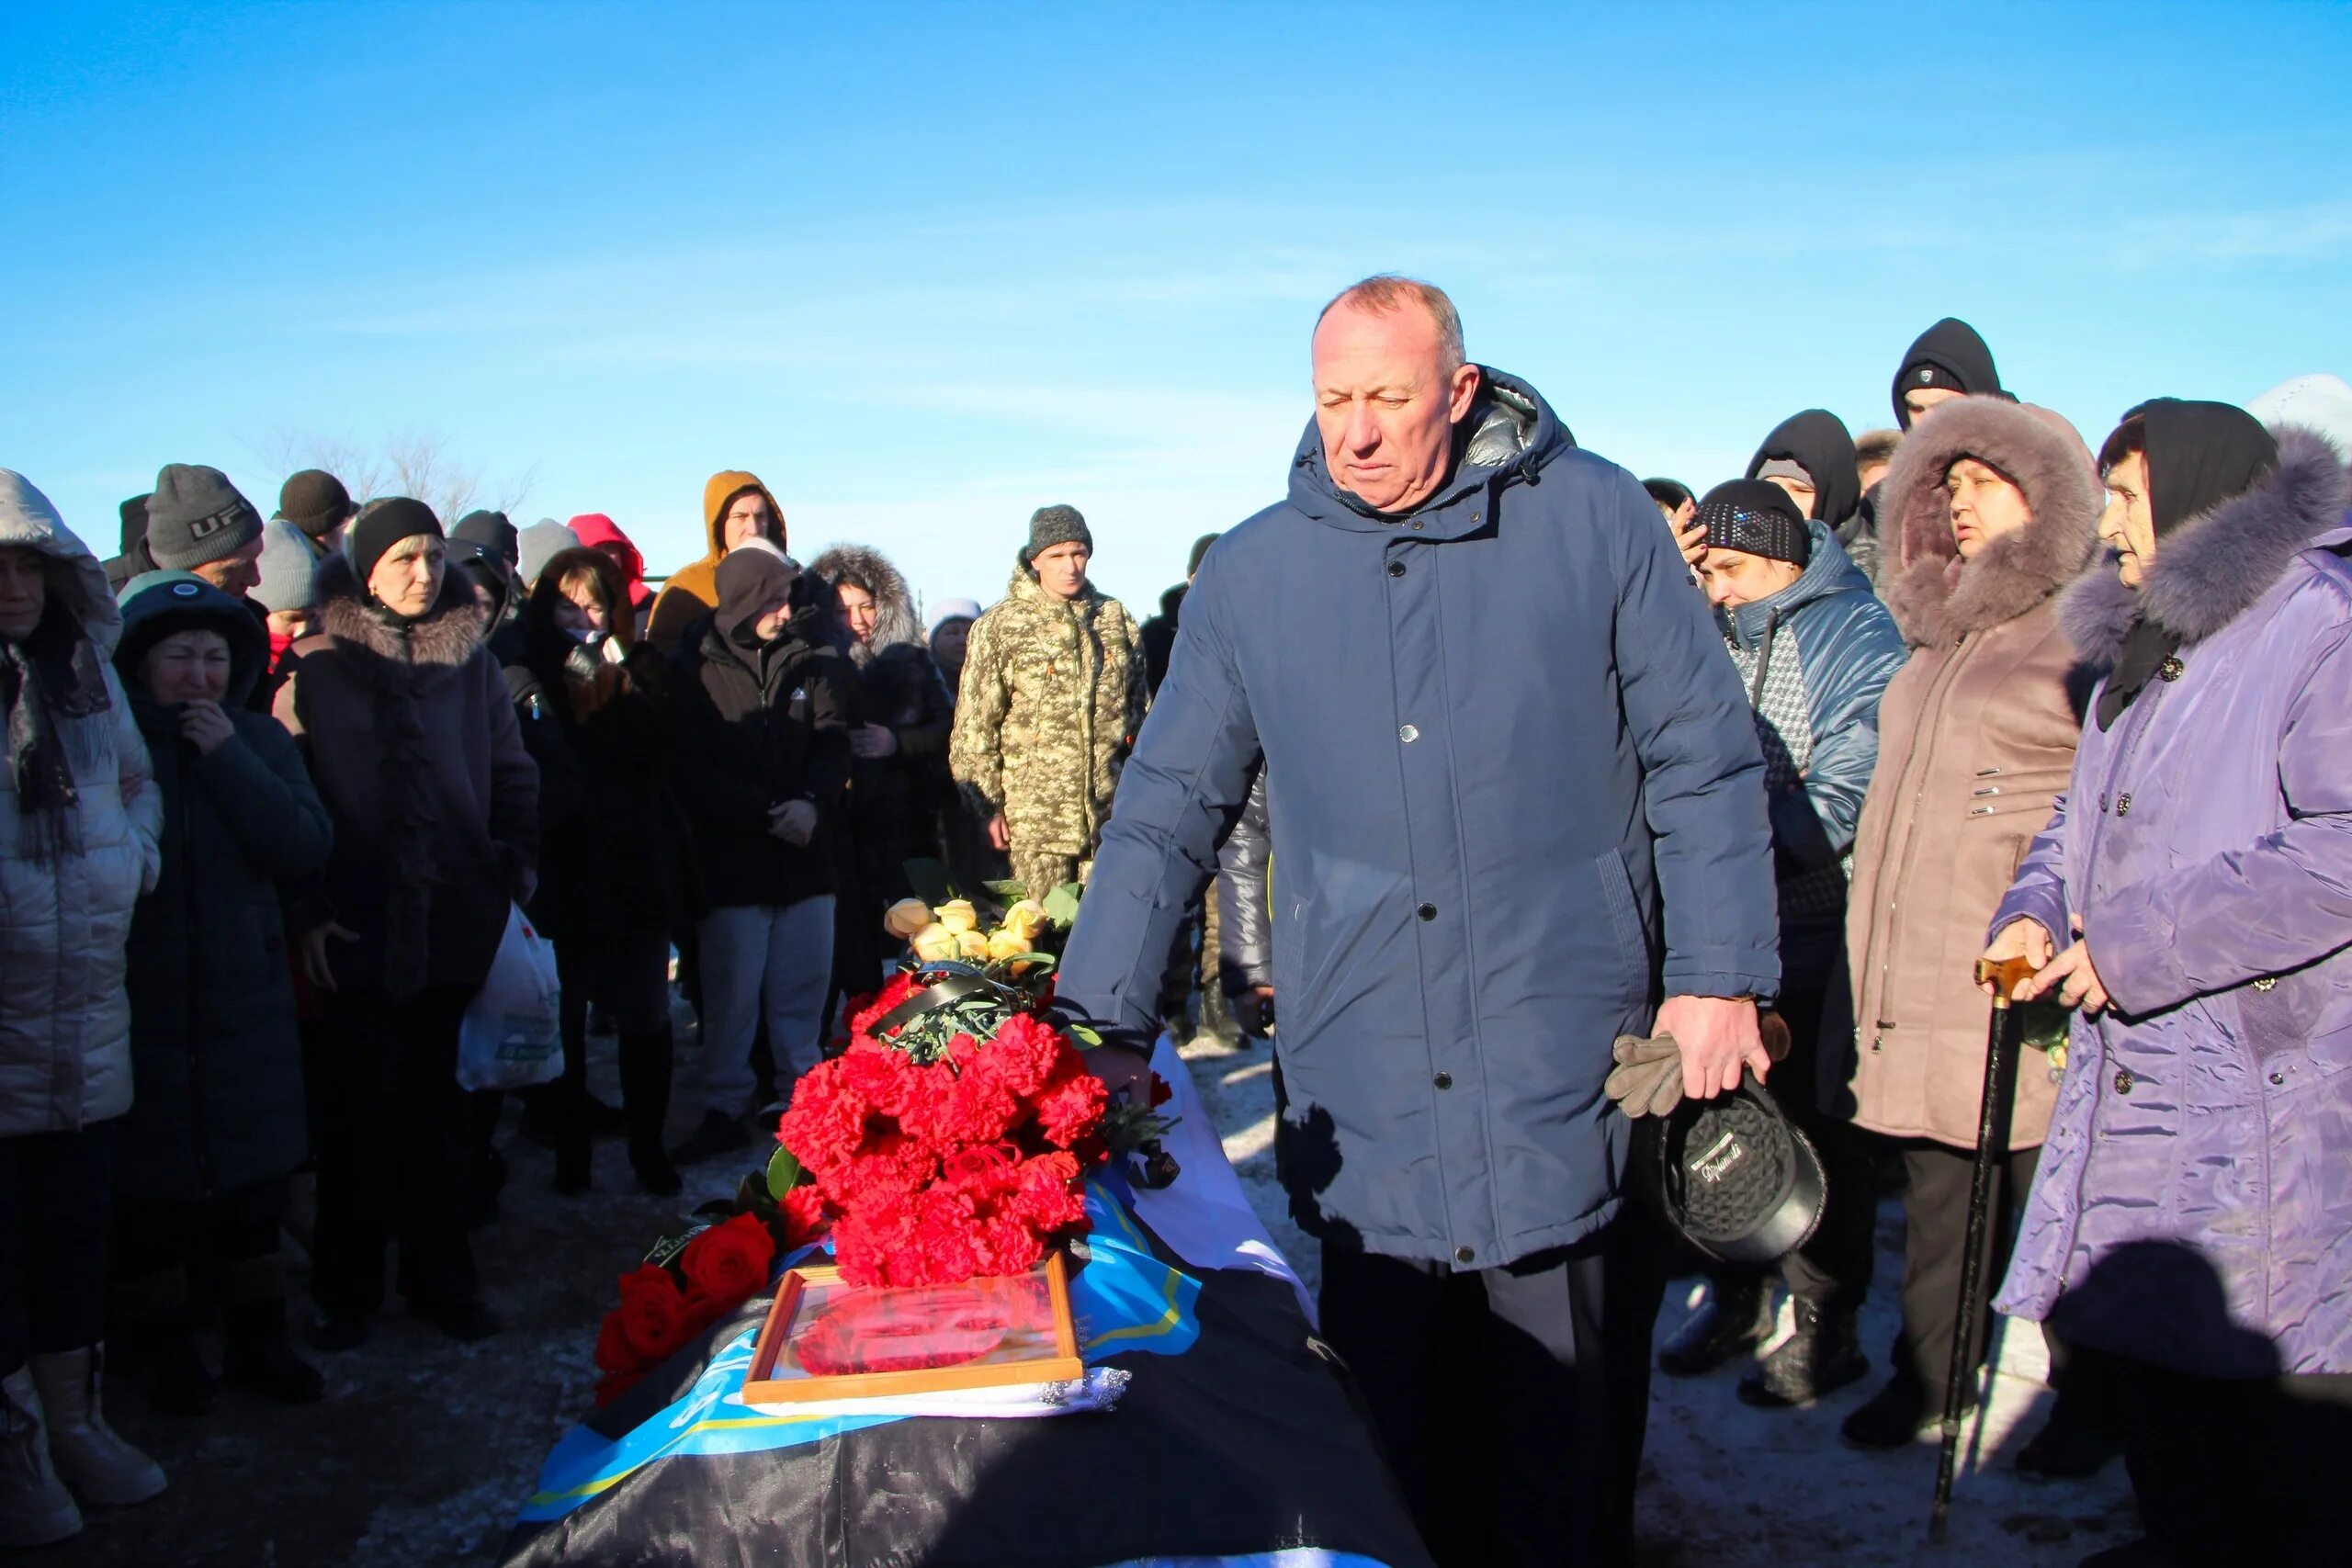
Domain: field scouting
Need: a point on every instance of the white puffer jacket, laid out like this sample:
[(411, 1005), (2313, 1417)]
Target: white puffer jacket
[(64, 1017)]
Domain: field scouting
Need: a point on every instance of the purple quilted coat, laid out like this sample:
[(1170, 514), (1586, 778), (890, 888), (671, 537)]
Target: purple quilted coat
[(2194, 1204)]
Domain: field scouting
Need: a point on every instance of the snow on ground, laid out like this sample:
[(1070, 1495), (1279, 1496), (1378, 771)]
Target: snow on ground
[(1729, 1487), (424, 1448)]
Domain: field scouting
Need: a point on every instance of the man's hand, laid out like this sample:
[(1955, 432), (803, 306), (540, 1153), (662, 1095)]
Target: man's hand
[(998, 838), (2075, 976), (2022, 937), (314, 952), (1253, 1010), (871, 742), (1120, 1068), (1717, 1034), (795, 821), (205, 727)]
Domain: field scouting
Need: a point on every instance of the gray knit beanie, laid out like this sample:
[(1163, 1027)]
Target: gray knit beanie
[(286, 562), (195, 515), (539, 544), (1051, 526)]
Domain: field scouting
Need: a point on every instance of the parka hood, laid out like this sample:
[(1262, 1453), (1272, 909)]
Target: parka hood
[(157, 604), (896, 623), (1818, 442), (719, 493), (1951, 355), (1935, 596), (2215, 566), (80, 582), (595, 530), (1508, 437)]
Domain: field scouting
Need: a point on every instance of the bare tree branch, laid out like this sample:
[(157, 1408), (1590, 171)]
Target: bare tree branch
[(417, 463)]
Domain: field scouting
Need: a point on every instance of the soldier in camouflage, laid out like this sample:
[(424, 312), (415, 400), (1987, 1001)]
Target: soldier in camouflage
[(1053, 694)]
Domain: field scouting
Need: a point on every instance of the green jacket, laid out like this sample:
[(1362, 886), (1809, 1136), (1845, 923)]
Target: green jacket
[(1053, 694)]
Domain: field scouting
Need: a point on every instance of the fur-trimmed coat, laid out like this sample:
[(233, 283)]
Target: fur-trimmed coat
[(894, 800), (412, 741), (1976, 734), (2195, 1203)]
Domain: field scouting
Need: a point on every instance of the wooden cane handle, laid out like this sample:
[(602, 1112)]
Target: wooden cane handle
[(2005, 977)]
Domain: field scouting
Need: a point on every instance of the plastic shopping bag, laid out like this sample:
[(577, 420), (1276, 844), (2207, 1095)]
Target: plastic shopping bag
[(513, 1035)]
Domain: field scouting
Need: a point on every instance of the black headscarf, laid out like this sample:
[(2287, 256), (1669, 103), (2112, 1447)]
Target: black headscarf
[(2198, 455), (1817, 442), (55, 672)]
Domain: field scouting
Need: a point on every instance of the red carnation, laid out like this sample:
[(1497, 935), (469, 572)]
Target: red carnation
[(1071, 1106), (729, 1260), (803, 1215), (826, 1120), (864, 1013), (891, 1165), (651, 1311)]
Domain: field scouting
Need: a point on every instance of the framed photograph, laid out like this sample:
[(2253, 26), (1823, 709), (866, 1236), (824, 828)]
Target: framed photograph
[(825, 1339)]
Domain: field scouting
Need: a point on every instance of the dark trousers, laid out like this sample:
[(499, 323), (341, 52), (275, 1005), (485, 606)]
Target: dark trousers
[(55, 1192), (2231, 1473), (629, 971), (175, 1259), (1513, 1402), (1935, 1240), (393, 1157)]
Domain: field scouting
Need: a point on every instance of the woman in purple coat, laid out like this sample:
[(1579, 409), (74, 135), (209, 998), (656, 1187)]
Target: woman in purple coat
[(2193, 1212)]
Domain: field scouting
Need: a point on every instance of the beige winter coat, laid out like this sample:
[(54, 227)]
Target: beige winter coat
[(1976, 739)]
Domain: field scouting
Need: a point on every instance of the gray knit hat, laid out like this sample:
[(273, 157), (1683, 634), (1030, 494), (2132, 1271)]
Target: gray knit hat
[(1051, 526), (195, 515), (539, 544), (286, 562)]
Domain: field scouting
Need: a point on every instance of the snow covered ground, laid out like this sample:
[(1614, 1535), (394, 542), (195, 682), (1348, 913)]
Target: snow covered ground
[(1729, 1487), (424, 1448)]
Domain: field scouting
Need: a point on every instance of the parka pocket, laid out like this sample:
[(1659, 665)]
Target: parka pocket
[(1626, 918)]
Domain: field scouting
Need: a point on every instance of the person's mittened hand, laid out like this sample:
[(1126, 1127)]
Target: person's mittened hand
[(1718, 1036), (206, 728), (1647, 1079)]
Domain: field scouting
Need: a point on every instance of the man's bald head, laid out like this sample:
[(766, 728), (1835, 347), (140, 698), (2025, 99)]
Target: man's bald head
[(1390, 385)]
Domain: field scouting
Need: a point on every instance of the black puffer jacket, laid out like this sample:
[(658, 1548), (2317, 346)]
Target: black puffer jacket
[(1245, 955), (758, 725), (214, 1056)]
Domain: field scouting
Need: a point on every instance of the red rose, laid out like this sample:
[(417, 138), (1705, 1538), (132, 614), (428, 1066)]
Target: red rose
[(651, 1310), (804, 1215), (729, 1260), (702, 1311), (612, 1385), (613, 1352)]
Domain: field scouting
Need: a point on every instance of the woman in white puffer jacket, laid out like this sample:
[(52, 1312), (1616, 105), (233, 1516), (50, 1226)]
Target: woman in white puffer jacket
[(79, 824)]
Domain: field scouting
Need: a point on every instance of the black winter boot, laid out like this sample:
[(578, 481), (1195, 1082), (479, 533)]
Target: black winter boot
[(257, 1355), (645, 1104), (1895, 1416), (1736, 1317), (1822, 1356)]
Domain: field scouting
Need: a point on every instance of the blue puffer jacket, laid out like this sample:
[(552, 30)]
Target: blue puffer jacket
[(1519, 798), (1825, 648)]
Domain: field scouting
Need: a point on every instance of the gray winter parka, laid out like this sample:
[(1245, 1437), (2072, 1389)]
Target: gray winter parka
[(213, 1038), (1492, 861)]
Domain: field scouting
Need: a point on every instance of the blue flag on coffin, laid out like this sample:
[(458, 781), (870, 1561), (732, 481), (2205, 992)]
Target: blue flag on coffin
[(1234, 1440)]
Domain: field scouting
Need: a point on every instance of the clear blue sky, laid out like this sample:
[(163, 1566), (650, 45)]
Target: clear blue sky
[(926, 267)]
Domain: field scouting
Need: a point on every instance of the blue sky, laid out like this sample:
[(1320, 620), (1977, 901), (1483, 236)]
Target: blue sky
[(924, 268)]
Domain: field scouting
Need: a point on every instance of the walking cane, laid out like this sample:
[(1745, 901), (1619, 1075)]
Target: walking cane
[(2002, 1046)]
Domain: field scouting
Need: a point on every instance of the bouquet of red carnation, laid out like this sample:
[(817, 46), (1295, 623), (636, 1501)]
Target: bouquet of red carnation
[(687, 1284), (951, 1139)]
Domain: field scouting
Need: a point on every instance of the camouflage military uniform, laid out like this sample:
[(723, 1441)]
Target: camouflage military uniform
[(1053, 694)]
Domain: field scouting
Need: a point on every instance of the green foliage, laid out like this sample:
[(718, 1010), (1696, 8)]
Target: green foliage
[(783, 1172), (933, 882), (1061, 904)]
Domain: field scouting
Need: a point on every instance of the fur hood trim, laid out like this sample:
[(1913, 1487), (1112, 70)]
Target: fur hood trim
[(445, 637), (2216, 567), (1936, 597), (897, 624)]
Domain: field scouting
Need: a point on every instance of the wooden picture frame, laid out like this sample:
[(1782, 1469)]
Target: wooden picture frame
[(805, 1295)]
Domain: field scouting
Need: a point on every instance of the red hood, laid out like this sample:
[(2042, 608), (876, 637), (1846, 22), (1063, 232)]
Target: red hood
[(595, 530)]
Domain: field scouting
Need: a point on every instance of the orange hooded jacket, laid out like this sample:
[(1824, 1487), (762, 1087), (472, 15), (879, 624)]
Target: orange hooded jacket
[(691, 591)]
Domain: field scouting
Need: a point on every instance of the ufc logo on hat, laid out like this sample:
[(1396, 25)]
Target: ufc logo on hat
[(205, 527)]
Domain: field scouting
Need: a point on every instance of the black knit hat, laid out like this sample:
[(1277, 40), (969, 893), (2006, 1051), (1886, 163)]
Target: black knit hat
[(493, 532), (1051, 526), (315, 501), (195, 516), (380, 527), (1756, 518), (134, 522), (1200, 547), (747, 581)]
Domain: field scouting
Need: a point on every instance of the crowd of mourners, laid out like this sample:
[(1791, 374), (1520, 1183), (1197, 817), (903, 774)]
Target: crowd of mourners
[(273, 786)]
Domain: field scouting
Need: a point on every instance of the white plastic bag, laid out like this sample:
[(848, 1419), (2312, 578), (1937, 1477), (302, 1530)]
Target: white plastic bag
[(512, 1035)]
